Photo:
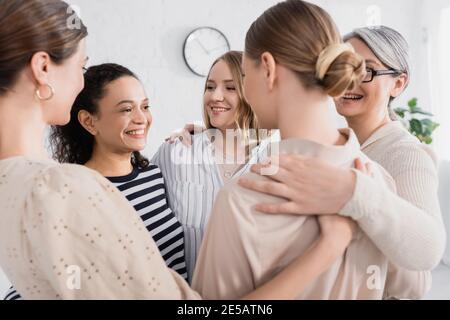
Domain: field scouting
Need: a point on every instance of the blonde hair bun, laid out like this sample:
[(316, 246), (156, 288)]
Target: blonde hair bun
[(339, 69)]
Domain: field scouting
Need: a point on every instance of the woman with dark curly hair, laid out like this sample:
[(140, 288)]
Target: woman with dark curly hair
[(109, 123), (76, 142)]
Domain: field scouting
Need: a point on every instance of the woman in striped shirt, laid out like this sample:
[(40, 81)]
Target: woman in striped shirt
[(194, 174), (109, 124)]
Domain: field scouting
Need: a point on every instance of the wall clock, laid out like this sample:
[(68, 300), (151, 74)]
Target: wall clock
[(202, 47)]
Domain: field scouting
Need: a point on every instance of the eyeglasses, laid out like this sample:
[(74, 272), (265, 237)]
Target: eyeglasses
[(371, 73)]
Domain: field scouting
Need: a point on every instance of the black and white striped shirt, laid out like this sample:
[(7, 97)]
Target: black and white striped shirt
[(145, 190)]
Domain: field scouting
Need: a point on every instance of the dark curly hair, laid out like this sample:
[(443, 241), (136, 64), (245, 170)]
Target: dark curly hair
[(74, 144)]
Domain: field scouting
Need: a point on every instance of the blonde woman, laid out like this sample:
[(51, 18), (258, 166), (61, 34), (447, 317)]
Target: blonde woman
[(227, 148), (290, 73)]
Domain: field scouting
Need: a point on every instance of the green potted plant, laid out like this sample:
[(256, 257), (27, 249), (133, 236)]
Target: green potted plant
[(417, 121)]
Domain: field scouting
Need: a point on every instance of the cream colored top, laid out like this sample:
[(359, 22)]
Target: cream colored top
[(407, 227), (413, 167), (66, 232), (243, 249)]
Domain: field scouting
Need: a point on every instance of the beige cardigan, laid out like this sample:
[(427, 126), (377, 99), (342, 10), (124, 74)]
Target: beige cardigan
[(413, 167), (64, 225), (383, 215), (243, 249)]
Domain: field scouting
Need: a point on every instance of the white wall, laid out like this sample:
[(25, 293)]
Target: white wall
[(147, 36)]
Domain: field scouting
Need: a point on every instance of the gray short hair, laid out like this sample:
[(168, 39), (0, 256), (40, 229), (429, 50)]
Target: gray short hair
[(388, 45)]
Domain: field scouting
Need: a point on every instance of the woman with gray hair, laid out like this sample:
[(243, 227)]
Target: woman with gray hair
[(409, 222), (388, 73)]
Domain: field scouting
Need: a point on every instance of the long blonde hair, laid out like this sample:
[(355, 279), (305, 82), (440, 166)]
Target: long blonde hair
[(245, 119)]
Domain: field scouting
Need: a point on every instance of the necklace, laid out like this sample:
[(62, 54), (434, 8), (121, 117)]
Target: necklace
[(229, 166)]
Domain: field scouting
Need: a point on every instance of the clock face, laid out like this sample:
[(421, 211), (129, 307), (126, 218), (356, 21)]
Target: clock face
[(202, 47)]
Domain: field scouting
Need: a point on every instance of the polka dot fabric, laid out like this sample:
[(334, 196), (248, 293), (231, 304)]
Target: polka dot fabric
[(68, 233)]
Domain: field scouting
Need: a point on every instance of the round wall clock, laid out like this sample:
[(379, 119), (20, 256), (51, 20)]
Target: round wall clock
[(202, 47)]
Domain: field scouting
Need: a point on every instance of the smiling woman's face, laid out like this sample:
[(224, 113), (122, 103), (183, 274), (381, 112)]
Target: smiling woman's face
[(221, 99), (124, 117), (371, 97)]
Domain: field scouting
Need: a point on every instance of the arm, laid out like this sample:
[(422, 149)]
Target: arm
[(406, 284), (407, 227)]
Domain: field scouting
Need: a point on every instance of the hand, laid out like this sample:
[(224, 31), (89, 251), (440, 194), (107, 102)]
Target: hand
[(365, 168), (185, 135), (337, 231), (309, 185)]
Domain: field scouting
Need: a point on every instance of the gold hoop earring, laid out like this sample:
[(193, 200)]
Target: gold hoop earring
[(39, 96)]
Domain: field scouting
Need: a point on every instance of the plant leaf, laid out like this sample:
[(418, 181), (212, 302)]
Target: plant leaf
[(400, 112), (427, 140), (416, 126), (412, 103), (420, 111)]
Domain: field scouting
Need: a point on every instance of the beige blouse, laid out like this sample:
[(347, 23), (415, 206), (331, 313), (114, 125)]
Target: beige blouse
[(244, 248), (66, 232)]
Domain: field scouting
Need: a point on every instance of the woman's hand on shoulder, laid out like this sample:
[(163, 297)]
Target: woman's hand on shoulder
[(185, 135), (309, 185)]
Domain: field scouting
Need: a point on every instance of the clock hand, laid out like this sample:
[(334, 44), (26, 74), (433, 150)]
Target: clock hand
[(202, 46), (222, 46)]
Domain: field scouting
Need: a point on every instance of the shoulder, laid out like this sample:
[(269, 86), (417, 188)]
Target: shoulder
[(402, 144), (47, 173), (71, 186), (76, 175), (150, 173), (150, 169), (407, 158), (173, 153), (241, 200), (76, 193), (196, 139), (409, 154)]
